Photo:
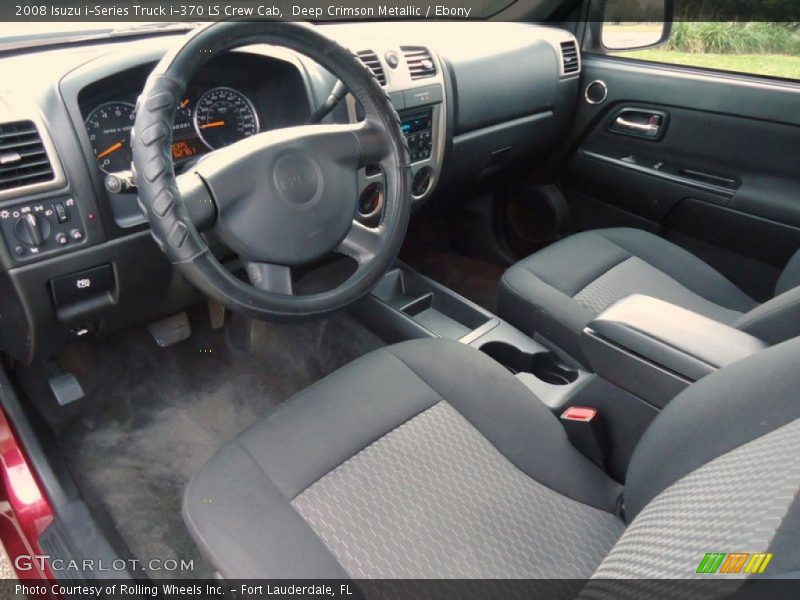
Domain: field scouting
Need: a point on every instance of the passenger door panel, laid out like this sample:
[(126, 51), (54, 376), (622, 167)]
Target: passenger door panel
[(723, 167)]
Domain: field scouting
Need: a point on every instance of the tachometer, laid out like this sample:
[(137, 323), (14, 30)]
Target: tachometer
[(109, 129), (224, 116)]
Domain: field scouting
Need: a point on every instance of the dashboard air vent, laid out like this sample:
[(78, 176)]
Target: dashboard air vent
[(23, 158), (420, 62), (369, 58), (569, 54)]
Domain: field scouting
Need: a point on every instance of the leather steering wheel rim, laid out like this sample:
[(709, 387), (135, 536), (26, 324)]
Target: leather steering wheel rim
[(375, 250)]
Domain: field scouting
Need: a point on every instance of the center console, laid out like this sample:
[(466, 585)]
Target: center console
[(655, 349), (413, 77), (407, 305), (417, 126), (642, 352)]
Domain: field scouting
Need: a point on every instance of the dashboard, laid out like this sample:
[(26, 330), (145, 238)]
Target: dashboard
[(76, 255)]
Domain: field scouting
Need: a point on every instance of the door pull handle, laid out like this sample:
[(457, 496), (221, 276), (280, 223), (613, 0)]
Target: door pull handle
[(643, 127)]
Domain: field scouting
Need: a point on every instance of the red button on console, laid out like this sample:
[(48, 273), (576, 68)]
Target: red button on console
[(579, 413)]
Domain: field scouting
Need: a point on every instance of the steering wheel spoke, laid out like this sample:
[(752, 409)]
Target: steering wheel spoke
[(361, 243), (372, 142), (270, 277), (197, 199)]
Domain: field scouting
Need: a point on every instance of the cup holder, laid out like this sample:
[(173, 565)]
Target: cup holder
[(542, 365)]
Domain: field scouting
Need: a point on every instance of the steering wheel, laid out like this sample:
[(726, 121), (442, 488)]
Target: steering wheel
[(279, 199)]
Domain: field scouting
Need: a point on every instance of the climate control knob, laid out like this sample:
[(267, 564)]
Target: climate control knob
[(32, 230)]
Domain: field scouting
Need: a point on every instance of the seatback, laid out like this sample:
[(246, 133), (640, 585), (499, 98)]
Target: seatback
[(741, 506), (716, 415), (778, 319), (719, 467), (790, 277)]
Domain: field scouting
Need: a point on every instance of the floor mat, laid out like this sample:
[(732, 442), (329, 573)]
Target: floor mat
[(154, 415)]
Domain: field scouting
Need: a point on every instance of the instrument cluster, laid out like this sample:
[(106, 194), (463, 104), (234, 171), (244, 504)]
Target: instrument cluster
[(205, 121)]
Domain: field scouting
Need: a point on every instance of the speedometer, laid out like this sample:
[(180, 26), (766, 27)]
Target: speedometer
[(224, 116), (109, 129)]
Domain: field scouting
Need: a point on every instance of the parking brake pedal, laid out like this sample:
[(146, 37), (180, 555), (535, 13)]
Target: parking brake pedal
[(171, 330)]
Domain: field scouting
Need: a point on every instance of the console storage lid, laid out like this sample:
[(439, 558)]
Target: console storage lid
[(655, 349)]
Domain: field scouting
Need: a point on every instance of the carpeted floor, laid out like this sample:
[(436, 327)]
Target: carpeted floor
[(475, 279), (153, 416), (429, 248)]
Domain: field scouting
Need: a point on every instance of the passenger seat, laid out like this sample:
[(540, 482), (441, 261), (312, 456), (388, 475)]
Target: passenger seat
[(557, 291)]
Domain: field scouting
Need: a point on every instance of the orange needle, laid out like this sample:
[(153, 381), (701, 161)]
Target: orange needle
[(110, 149), (184, 103), (213, 124)]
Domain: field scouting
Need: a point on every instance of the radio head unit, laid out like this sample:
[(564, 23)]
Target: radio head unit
[(417, 126)]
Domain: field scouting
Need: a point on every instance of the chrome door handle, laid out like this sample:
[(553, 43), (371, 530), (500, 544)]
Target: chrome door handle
[(640, 122), (644, 127)]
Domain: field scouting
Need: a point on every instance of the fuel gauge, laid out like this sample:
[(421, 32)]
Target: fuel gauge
[(183, 118)]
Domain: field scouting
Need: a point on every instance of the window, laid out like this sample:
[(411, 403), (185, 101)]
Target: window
[(758, 48)]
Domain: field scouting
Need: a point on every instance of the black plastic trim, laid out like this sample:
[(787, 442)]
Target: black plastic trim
[(687, 181)]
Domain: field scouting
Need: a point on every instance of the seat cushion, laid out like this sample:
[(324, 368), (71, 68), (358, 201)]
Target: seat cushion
[(556, 292), (433, 498), (425, 459), (403, 466)]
